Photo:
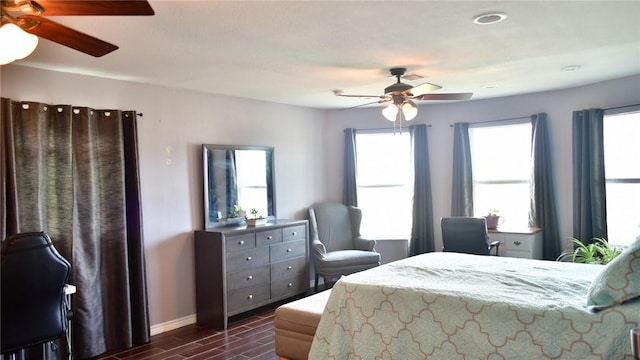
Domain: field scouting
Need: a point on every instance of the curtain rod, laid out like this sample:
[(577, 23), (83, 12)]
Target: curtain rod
[(490, 121), (385, 128), (621, 107)]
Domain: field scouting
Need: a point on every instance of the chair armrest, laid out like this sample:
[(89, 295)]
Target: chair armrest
[(495, 244), (318, 247), (361, 243)]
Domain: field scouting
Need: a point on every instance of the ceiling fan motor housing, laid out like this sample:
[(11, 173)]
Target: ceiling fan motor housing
[(397, 88)]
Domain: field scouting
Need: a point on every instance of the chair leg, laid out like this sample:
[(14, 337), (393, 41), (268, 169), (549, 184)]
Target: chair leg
[(327, 282), (315, 288)]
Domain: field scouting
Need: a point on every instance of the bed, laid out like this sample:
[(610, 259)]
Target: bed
[(459, 306)]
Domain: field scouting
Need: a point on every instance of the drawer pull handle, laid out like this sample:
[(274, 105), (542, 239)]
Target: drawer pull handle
[(294, 233), (288, 250), (250, 297), (249, 258), (249, 277), (289, 285), (517, 243), (241, 242), (289, 267), (269, 237)]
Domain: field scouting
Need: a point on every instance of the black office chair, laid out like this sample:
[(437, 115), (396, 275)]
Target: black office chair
[(33, 277), (467, 235)]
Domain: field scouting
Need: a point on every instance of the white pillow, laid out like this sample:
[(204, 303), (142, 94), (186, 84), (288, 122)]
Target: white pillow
[(619, 280)]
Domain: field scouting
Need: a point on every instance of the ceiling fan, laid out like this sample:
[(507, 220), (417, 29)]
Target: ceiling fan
[(28, 16), (402, 96)]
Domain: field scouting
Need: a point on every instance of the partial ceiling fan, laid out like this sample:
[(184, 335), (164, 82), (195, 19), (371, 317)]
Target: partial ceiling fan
[(28, 16), (402, 96)]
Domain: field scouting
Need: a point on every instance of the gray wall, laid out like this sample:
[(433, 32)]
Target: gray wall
[(308, 166)]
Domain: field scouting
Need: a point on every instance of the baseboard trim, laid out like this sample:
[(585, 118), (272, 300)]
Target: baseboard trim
[(172, 324)]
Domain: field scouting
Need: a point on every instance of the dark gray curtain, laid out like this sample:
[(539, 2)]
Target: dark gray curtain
[(350, 191), (231, 180), (543, 212), (269, 181), (211, 189), (422, 238), (589, 201), (462, 181), (73, 173)]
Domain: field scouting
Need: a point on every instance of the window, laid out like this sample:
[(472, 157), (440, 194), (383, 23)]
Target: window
[(501, 167), (252, 188), (385, 183), (622, 172)]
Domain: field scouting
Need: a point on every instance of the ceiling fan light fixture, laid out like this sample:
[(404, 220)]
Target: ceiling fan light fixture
[(15, 43), (390, 112), (409, 110), (490, 18)]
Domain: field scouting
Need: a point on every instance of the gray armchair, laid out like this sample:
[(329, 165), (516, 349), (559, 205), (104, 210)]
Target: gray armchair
[(337, 246)]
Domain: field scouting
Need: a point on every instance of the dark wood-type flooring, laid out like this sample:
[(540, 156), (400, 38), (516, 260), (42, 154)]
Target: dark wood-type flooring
[(249, 336)]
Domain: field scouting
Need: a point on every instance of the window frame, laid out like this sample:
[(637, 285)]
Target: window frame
[(608, 113), (407, 186), (512, 181)]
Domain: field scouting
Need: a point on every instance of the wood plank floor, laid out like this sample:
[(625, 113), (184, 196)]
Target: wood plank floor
[(250, 336)]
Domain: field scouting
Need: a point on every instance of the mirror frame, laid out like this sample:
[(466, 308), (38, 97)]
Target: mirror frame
[(205, 176)]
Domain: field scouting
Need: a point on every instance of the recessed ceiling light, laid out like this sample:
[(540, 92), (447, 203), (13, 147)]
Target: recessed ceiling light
[(571, 68), (489, 18), (489, 86)]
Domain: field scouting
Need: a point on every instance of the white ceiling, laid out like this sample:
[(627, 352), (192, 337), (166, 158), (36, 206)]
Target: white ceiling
[(297, 52)]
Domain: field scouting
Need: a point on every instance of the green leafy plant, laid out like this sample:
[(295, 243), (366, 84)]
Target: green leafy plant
[(255, 214), (493, 212), (597, 252), (236, 212)]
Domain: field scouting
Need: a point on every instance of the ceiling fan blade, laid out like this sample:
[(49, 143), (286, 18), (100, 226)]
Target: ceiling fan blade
[(364, 96), (95, 7), (338, 93), (361, 105), (452, 96), (424, 88), (63, 35)]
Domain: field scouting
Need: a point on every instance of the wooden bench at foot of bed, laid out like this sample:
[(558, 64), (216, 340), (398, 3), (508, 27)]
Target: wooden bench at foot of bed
[(296, 324)]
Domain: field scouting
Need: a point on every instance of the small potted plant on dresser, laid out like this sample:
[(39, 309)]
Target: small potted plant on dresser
[(255, 219), (493, 219)]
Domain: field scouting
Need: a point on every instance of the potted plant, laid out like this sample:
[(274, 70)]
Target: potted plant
[(493, 219), (236, 215), (255, 219), (598, 252)]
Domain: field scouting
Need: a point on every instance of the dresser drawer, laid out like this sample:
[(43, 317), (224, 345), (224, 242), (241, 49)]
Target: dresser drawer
[(247, 298), (288, 268), (243, 260), (518, 243), (251, 277), (240, 242), (266, 238), (289, 286), (287, 250), (294, 233)]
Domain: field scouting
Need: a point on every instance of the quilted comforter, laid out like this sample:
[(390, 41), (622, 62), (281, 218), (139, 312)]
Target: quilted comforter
[(458, 306)]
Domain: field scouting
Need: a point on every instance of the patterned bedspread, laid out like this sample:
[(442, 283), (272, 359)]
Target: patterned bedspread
[(457, 306)]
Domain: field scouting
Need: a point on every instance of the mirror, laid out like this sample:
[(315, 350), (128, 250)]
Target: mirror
[(237, 176)]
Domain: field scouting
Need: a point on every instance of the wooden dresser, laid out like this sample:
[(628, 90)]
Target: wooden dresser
[(242, 268)]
